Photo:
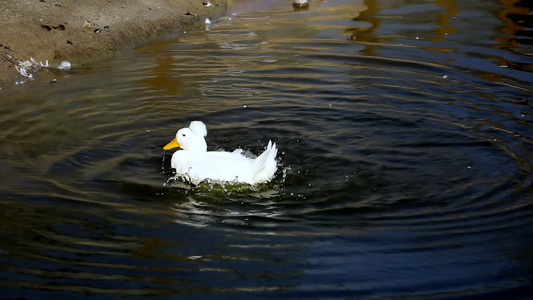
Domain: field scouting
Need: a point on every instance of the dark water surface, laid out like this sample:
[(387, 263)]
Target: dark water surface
[(405, 159)]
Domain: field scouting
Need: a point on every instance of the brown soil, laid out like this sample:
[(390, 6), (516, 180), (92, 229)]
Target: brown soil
[(56, 30)]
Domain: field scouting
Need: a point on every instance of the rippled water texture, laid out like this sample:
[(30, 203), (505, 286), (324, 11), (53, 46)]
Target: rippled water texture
[(405, 160)]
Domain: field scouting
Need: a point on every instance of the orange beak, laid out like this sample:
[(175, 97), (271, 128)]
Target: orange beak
[(173, 144)]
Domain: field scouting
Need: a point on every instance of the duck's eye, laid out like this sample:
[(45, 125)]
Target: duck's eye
[(183, 135)]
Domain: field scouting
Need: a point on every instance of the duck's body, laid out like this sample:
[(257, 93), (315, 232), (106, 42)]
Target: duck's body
[(197, 164)]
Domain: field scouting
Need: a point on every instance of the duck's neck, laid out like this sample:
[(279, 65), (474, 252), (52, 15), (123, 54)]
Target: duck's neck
[(199, 146)]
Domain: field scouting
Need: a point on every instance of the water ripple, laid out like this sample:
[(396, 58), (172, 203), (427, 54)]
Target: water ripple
[(404, 163)]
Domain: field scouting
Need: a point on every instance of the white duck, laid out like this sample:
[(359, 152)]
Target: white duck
[(197, 164)]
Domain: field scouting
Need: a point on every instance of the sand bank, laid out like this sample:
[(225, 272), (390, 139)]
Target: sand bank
[(79, 31)]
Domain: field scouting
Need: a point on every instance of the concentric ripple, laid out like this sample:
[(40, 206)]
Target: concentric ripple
[(404, 162)]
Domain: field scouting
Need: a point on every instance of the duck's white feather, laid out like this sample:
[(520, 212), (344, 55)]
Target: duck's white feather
[(197, 164), (198, 127)]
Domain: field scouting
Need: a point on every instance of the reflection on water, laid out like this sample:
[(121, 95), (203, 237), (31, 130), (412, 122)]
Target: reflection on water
[(405, 159)]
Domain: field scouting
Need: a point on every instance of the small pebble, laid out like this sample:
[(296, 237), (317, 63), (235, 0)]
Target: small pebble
[(300, 4), (65, 65)]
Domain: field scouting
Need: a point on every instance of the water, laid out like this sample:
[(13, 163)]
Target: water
[(405, 160)]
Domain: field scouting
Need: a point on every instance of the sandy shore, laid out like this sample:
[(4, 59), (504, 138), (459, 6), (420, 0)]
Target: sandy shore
[(79, 31)]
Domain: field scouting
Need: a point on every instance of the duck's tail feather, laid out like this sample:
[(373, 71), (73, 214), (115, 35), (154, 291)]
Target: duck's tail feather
[(266, 164)]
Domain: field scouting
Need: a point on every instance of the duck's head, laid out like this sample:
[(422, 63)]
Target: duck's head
[(190, 139)]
